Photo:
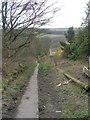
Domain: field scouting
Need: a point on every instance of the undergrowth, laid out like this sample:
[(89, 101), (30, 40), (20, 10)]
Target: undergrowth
[(13, 86)]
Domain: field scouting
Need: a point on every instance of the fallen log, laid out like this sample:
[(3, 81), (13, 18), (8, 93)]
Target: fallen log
[(86, 87)]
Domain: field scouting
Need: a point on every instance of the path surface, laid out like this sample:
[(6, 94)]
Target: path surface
[(28, 107)]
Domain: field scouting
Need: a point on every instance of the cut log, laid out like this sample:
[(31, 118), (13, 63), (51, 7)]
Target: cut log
[(86, 87), (86, 71)]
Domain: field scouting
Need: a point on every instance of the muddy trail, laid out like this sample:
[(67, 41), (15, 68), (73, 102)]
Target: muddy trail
[(49, 106)]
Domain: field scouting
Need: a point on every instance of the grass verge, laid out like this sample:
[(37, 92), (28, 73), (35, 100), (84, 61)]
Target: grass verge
[(45, 66), (13, 88)]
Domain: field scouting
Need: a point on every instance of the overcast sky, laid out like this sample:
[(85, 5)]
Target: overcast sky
[(71, 13)]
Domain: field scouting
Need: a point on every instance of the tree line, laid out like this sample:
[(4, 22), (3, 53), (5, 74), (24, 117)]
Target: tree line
[(80, 41)]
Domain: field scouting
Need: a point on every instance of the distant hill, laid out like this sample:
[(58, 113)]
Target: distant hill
[(51, 30), (54, 30)]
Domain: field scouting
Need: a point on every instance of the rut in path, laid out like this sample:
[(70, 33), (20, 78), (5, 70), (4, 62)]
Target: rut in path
[(28, 107)]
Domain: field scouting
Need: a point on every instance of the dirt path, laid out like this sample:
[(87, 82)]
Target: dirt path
[(28, 107), (49, 107)]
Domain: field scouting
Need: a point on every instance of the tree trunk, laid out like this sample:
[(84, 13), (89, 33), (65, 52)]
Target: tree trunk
[(74, 79)]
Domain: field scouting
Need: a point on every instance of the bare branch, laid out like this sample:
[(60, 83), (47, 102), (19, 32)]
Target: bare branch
[(23, 15)]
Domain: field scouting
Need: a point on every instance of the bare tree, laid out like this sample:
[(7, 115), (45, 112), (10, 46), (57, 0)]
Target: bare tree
[(18, 16), (86, 20)]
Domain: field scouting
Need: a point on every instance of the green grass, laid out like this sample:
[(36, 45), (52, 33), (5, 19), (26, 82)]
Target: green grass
[(71, 111), (77, 114), (81, 113), (45, 66), (73, 106), (74, 89), (31, 68)]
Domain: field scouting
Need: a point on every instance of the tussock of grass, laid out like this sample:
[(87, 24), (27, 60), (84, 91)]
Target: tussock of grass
[(45, 66)]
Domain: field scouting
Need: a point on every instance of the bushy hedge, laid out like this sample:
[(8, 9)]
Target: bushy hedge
[(79, 48)]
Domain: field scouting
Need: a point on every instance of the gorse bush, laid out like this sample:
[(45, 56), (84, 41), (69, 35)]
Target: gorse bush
[(65, 46)]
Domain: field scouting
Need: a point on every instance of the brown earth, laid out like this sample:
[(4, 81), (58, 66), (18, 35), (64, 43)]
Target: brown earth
[(59, 98), (74, 68)]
